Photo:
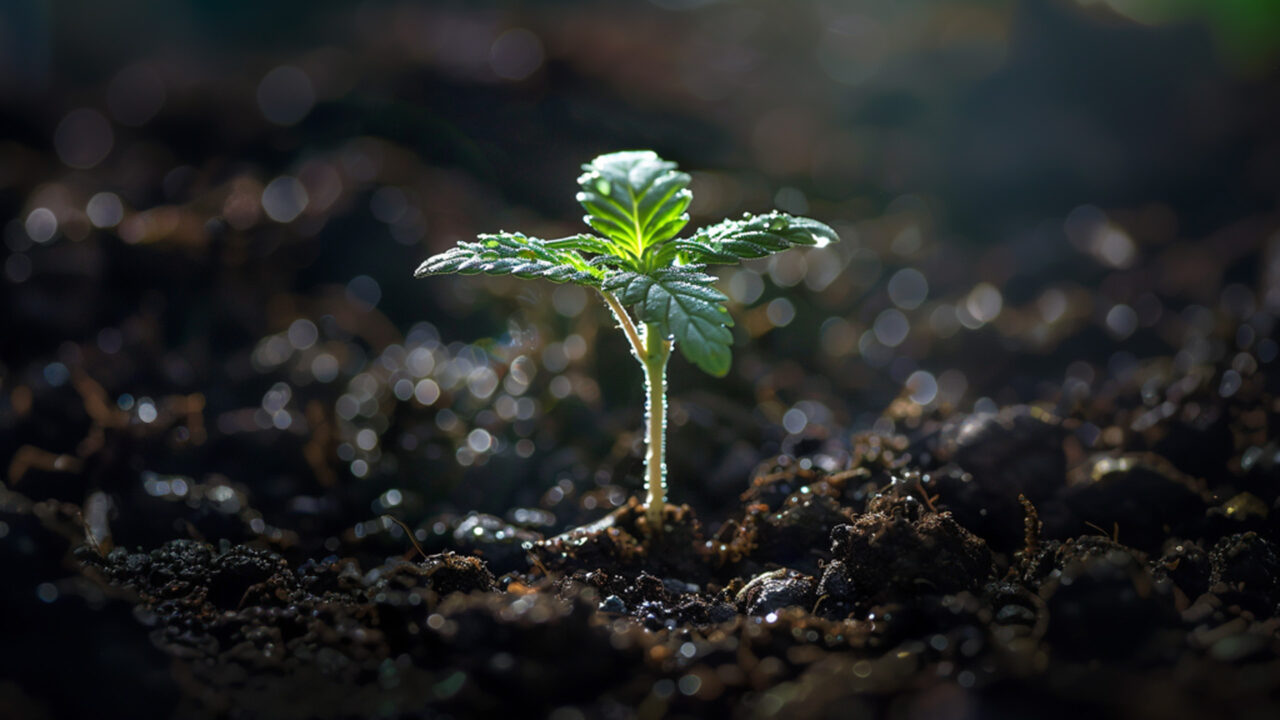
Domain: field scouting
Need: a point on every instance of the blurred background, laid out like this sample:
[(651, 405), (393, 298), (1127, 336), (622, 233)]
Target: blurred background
[(211, 212)]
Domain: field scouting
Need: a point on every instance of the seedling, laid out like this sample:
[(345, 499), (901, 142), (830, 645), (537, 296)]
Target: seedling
[(652, 281)]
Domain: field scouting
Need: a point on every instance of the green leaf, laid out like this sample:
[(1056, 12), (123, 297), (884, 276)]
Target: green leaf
[(752, 236), (581, 243), (685, 303), (638, 202), (635, 199), (514, 254)]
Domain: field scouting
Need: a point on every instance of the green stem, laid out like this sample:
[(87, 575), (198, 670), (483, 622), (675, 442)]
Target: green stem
[(624, 321), (652, 350), (656, 352)]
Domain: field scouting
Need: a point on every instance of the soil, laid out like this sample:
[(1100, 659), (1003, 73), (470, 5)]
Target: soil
[(966, 570)]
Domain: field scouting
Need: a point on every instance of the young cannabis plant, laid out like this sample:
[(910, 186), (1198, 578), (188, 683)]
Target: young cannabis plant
[(636, 201)]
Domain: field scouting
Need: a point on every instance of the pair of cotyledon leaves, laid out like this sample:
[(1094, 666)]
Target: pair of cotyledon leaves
[(637, 203)]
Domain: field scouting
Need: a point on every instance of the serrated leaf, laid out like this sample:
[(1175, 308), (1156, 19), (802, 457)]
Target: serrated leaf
[(752, 236), (638, 203), (685, 303), (582, 243), (634, 198), (513, 254)]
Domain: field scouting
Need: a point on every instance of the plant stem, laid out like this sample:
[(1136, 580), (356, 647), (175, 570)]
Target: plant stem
[(652, 350), (656, 352), (628, 327)]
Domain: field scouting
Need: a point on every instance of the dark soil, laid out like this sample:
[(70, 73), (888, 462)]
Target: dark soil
[(887, 587)]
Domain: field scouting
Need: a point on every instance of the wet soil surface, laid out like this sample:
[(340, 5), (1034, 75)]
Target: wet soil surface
[(981, 565)]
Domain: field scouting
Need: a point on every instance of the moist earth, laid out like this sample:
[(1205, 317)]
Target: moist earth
[(968, 568)]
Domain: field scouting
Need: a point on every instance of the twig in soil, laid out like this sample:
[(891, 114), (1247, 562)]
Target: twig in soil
[(928, 500), (1032, 527), (818, 604), (409, 533), (844, 475), (1114, 535), (537, 563)]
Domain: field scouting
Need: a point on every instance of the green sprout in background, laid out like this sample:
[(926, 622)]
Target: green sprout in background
[(637, 203)]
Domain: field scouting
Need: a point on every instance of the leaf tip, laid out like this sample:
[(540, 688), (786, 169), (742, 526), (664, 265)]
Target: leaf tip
[(717, 365)]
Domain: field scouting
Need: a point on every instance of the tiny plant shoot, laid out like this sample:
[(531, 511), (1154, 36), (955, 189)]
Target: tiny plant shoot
[(652, 280)]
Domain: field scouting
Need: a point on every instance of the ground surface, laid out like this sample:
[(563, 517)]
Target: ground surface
[(970, 571)]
